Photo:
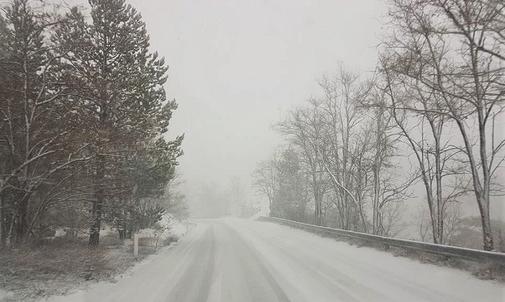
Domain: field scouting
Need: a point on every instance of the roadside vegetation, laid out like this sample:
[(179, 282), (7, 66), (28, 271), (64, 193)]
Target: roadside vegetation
[(84, 118), (427, 124)]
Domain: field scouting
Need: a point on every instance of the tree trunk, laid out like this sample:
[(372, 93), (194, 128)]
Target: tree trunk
[(487, 235), (484, 200), (10, 232), (317, 211), (270, 209), (481, 191), (22, 220), (96, 216), (96, 208), (2, 221)]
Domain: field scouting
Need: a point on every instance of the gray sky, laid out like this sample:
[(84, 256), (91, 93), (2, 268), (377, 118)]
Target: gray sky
[(236, 66)]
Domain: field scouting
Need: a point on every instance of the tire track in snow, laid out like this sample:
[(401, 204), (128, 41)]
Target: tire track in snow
[(194, 284)]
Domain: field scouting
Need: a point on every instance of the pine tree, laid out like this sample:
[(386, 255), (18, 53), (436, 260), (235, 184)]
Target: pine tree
[(117, 86)]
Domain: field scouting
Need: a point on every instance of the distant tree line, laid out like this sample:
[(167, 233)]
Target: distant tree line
[(430, 115), (83, 118)]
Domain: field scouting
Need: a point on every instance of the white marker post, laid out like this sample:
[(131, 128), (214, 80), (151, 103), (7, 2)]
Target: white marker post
[(135, 244)]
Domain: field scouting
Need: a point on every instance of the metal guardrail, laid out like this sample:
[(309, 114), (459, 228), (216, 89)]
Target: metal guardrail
[(437, 249)]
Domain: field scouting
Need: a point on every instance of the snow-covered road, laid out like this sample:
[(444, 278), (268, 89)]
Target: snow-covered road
[(242, 260)]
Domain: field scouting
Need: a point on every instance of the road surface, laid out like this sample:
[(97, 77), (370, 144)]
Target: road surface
[(241, 260)]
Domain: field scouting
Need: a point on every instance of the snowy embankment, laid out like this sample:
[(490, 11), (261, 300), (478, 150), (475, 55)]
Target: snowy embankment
[(168, 228), (144, 279), (61, 265)]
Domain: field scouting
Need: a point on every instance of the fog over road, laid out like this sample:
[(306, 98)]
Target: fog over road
[(242, 260)]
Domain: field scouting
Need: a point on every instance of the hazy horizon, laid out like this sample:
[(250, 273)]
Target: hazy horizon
[(246, 64)]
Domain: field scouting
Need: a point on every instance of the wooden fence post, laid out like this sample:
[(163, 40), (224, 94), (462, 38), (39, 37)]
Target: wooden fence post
[(135, 244)]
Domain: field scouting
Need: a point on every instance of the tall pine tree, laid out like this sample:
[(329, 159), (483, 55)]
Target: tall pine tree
[(117, 90)]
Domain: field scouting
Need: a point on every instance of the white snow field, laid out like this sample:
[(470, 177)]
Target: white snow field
[(5, 295), (243, 260)]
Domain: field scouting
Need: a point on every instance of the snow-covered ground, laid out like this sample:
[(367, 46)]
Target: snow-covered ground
[(168, 226), (243, 260), (4, 295)]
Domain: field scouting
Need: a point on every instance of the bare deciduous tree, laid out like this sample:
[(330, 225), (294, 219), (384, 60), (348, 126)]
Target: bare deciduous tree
[(452, 49), (304, 127), (265, 180)]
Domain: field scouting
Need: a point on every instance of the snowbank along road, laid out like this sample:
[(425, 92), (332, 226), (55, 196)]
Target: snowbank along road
[(242, 260)]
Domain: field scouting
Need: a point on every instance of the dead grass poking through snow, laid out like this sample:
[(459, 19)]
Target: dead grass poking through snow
[(33, 272)]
